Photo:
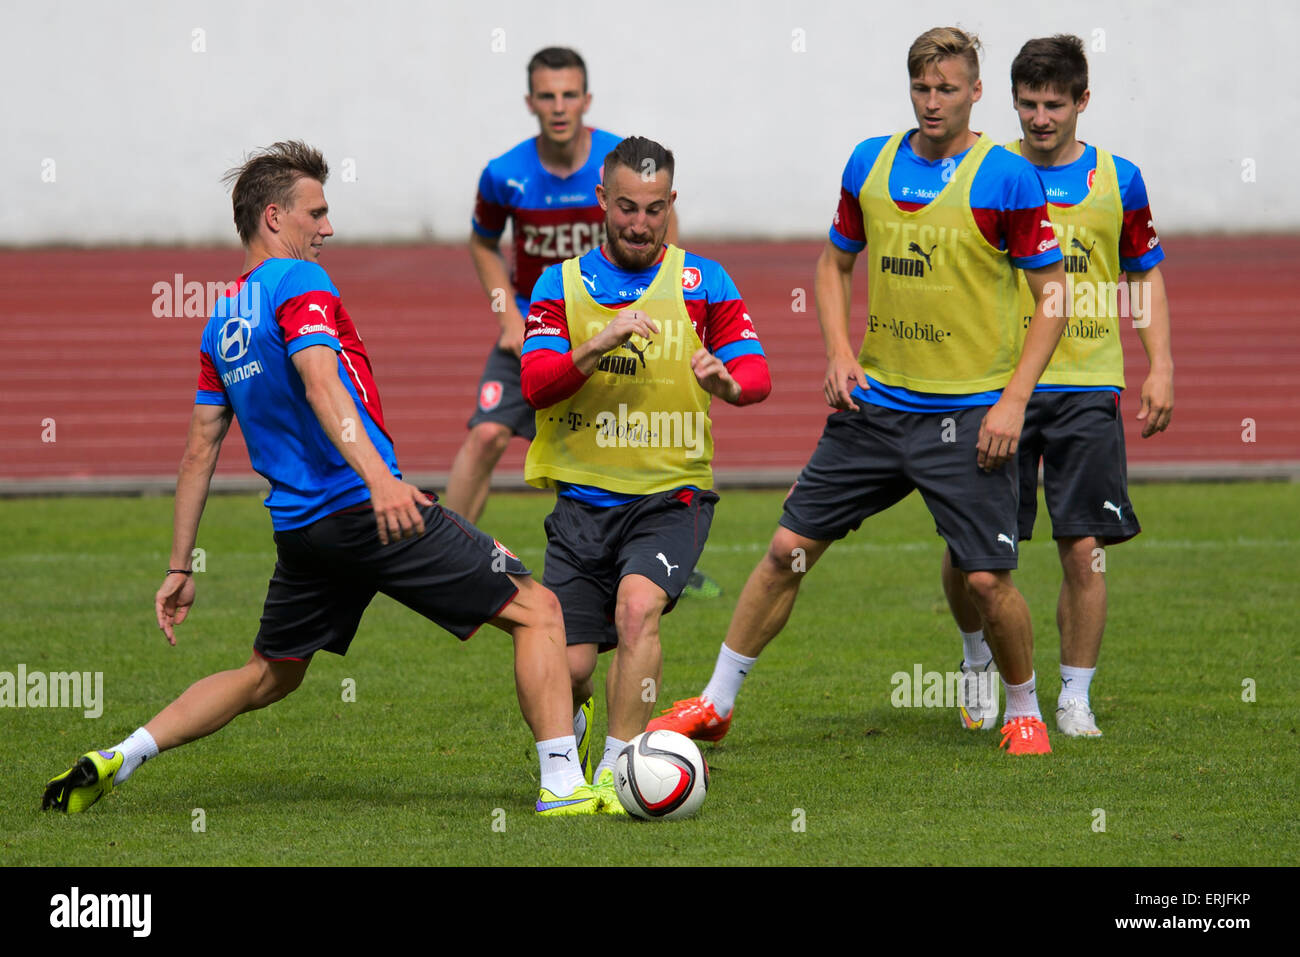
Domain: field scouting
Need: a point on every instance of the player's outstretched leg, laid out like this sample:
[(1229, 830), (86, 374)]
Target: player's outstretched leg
[(637, 667), (1081, 618), (1009, 632), (979, 706), (471, 470), (206, 706), (762, 611), (533, 619)]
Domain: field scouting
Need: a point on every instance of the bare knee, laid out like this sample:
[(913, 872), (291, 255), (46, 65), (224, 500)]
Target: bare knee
[(636, 616), (987, 588), (488, 440), (790, 555), (534, 606), (582, 665), (273, 680), (1082, 561)]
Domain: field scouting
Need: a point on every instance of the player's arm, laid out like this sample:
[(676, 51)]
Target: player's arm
[(1140, 255), (731, 363), (208, 427), (555, 371), (494, 276), (396, 503), (833, 285), (999, 435), (1153, 329), (1018, 221), (741, 381)]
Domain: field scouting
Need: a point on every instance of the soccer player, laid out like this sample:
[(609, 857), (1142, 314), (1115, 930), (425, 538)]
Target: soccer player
[(936, 396), (546, 189), (1098, 207), (626, 346), (282, 355)]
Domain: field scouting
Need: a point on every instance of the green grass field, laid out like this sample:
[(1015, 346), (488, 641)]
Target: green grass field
[(414, 771)]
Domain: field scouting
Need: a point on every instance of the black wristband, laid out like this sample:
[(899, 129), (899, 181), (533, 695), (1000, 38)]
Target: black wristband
[(180, 571)]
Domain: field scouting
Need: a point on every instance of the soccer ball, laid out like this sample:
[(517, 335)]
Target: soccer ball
[(660, 775)]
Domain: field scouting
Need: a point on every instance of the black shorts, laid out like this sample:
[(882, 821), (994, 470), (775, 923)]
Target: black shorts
[(326, 573), (1079, 436), (501, 398), (590, 549), (871, 459)]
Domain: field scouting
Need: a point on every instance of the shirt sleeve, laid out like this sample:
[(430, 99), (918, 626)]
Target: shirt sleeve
[(1024, 222), (1139, 245), (546, 325), (730, 335), (754, 378), (847, 230), (728, 328), (547, 373), (491, 211), (210, 390), (546, 378), (307, 308)]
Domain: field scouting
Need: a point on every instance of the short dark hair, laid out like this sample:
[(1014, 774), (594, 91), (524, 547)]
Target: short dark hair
[(1056, 63), (640, 155), (267, 177), (556, 58)]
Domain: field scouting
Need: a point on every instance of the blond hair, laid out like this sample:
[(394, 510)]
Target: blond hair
[(944, 43)]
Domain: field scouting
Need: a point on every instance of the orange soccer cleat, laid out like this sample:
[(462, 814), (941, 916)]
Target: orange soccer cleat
[(695, 718), (1026, 735)]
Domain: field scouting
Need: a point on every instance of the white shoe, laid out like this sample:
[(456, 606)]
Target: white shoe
[(978, 705), (1075, 720)]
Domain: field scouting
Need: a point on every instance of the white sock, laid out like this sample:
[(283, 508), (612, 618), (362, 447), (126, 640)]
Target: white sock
[(1075, 683), (561, 773), (975, 649), (728, 675), (612, 748), (136, 750), (1022, 700)]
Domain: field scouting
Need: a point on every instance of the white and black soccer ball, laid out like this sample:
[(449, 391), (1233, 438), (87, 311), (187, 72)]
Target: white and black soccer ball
[(661, 775)]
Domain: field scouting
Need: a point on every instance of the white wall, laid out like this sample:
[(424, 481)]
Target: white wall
[(140, 127)]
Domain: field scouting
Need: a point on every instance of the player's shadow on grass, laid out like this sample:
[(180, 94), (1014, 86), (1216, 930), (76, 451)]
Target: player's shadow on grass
[(288, 791), (888, 726)]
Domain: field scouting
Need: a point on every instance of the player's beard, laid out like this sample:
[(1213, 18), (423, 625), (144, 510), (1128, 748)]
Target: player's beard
[(630, 260)]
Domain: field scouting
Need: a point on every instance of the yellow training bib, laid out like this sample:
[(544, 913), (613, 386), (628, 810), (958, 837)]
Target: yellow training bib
[(944, 306), (640, 424), (1089, 352)]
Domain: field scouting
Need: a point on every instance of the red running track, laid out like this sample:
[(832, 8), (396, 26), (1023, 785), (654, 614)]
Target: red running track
[(83, 348)]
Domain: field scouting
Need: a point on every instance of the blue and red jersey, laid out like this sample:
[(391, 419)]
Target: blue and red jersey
[(245, 362), (553, 218), (1139, 246), (716, 310), (712, 301), (1009, 206)]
